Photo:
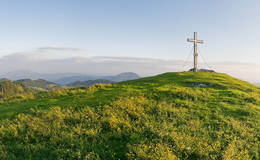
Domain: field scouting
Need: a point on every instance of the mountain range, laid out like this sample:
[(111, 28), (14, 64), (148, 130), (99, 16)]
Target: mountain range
[(24, 74), (117, 78), (66, 78), (14, 88)]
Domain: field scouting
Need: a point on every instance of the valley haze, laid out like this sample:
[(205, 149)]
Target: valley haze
[(34, 66)]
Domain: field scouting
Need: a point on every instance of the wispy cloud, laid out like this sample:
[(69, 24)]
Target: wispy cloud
[(115, 65), (59, 48)]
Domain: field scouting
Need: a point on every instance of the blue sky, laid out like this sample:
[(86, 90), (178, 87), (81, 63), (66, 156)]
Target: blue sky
[(131, 28), (139, 28)]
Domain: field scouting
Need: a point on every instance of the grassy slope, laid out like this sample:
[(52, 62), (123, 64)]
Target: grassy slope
[(39, 85), (88, 83), (163, 116), (15, 90)]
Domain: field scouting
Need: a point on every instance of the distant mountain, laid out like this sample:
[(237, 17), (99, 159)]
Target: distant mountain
[(39, 85), (88, 83), (71, 79), (123, 77), (117, 78), (66, 78), (16, 75), (13, 89)]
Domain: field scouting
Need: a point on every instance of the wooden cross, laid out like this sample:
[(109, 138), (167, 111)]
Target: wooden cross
[(195, 52)]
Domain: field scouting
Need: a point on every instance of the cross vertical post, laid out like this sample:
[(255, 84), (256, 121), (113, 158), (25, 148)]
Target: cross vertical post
[(195, 52)]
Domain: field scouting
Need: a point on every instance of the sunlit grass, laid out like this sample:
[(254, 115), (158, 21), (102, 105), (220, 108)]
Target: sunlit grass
[(161, 117)]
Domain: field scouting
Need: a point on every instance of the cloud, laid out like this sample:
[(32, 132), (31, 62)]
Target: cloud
[(87, 65), (58, 48), (48, 52), (114, 65)]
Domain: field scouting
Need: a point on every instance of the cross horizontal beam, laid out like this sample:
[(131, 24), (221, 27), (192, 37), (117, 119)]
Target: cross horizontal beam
[(195, 41)]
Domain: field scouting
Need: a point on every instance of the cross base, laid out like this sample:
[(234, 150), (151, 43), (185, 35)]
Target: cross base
[(200, 70)]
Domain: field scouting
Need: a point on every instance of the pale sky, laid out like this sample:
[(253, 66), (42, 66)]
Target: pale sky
[(132, 28)]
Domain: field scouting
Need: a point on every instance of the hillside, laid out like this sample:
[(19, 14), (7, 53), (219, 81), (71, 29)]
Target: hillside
[(9, 89), (169, 116), (88, 83), (38, 85)]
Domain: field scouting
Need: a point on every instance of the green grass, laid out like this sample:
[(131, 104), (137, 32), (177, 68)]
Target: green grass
[(161, 117)]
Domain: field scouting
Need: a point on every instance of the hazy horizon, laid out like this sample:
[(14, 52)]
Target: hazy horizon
[(114, 65), (146, 37)]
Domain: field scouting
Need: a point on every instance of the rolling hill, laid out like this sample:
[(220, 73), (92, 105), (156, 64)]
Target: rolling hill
[(169, 116), (88, 83), (9, 89), (38, 85)]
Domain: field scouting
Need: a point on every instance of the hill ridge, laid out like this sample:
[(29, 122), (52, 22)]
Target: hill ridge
[(39, 84), (167, 116)]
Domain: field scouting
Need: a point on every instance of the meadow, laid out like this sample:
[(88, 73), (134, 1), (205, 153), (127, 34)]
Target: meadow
[(170, 116)]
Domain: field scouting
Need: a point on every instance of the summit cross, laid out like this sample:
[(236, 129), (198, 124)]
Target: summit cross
[(195, 52)]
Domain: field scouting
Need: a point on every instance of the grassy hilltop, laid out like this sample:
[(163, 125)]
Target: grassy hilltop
[(169, 116)]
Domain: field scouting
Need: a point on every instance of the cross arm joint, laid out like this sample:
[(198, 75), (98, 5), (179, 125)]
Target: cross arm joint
[(190, 40)]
